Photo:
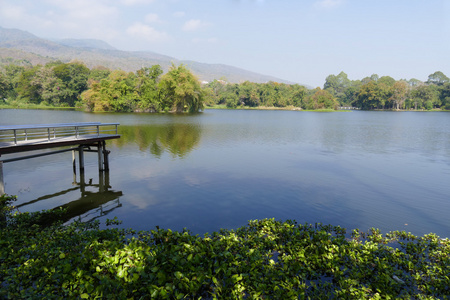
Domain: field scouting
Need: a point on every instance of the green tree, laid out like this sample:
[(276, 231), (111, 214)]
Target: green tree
[(351, 93), (444, 95), (337, 85), (146, 85), (181, 90), (98, 73), (423, 96), (230, 96), (74, 78), (48, 86), (115, 93), (414, 82), (217, 88), (27, 90), (372, 95), (373, 77), (249, 94), (94, 99), (400, 91), (4, 87), (387, 80), (437, 78), (298, 95), (11, 76), (322, 99)]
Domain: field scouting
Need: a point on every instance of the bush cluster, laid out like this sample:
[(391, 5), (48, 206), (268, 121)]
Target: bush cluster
[(265, 259)]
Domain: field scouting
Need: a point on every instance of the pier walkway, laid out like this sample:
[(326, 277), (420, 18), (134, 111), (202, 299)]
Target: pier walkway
[(23, 138)]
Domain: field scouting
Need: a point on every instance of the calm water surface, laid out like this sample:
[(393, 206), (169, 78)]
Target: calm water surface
[(221, 168)]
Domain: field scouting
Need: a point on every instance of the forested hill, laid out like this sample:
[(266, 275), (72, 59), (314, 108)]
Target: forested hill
[(18, 44)]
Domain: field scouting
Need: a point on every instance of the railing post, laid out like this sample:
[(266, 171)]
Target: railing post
[(98, 130), (26, 135), (76, 132), (15, 137), (48, 130), (2, 184)]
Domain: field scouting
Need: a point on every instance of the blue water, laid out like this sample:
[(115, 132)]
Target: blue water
[(221, 168)]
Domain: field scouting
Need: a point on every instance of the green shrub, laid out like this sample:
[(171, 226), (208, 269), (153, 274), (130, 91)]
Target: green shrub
[(266, 259)]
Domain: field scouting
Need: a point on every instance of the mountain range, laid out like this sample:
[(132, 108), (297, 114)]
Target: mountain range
[(17, 44)]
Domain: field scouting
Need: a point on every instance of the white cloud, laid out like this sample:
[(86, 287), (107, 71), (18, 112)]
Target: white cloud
[(136, 2), (59, 19), (193, 25), (152, 18), (146, 32), (14, 16), (12, 12), (80, 19), (329, 3)]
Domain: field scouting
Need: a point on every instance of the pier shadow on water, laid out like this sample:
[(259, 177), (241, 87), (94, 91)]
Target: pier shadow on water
[(96, 199)]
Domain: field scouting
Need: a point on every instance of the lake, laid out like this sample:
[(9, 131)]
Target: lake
[(221, 168)]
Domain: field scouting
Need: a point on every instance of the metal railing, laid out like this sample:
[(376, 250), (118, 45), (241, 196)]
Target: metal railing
[(19, 133)]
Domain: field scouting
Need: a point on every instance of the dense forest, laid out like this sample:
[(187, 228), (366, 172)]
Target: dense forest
[(100, 89), (72, 84), (372, 92)]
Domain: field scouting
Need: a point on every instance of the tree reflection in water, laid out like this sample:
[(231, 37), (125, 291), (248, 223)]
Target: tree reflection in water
[(177, 139)]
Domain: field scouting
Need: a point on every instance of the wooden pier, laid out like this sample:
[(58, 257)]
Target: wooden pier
[(79, 137)]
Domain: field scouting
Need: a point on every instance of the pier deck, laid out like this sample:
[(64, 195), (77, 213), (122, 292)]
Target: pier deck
[(22, 138)]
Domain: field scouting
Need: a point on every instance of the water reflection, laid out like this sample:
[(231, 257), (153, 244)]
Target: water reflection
[(178, 139), (95, 201), (222, 168)]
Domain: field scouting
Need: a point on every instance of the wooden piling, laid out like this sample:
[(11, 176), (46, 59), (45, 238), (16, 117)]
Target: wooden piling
[(105, 156), (74, 167), (81, 158), (100, 156), (2, 184)]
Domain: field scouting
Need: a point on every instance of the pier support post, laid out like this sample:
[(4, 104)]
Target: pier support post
[(2, 184), (101, 181), (105, 156), (82, 182), (81, 159), (74, 164), (100, 150)]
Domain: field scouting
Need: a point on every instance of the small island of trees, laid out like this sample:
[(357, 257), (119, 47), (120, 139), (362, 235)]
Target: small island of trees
[(59, 84)]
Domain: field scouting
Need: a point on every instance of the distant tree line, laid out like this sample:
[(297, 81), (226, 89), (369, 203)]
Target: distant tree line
[(385, 92), (149, 90), (271, 94), (100, 89), (56, 83), (370, 93)]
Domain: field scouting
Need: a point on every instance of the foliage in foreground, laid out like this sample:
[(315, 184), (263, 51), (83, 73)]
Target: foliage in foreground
[(266, 259)]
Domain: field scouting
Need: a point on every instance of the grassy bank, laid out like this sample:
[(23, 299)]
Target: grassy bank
[(33, 106), (265, 259)]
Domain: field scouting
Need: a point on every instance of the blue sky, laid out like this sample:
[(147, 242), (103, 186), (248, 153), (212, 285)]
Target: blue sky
[(301, 41)]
